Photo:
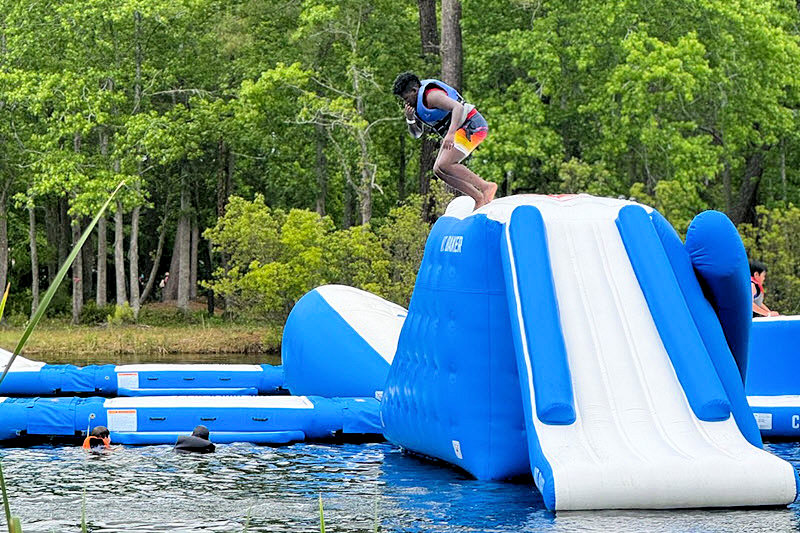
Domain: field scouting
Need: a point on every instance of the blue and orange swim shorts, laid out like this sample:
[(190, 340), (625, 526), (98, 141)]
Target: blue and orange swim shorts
[(471, 133)]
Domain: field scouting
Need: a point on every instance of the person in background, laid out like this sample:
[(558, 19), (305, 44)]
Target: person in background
[(98, 438), (758, 273), (197, 442)]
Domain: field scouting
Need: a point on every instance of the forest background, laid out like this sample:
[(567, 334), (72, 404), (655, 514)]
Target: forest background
[(265, 154)]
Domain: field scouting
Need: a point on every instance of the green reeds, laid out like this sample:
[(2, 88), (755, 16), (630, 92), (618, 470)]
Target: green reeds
[(321, 516), (83, 512), (45, 302), (14, 525), (13, 522)]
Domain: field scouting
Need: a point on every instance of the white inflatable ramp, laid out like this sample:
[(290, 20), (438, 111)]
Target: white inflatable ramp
[(631, 396)]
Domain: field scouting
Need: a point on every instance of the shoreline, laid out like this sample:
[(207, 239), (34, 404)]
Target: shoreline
[(87, 341)]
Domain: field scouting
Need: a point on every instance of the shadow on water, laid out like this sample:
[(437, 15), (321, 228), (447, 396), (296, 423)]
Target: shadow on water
[(151, 489)]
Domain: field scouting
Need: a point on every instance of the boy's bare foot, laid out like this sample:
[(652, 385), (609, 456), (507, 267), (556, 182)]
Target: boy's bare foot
[(480, 203), (489, 191)]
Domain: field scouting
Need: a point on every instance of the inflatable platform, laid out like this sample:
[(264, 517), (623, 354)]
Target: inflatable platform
[(578, 339), (773, 377), (340, 341), (161, 419), (34, 378)]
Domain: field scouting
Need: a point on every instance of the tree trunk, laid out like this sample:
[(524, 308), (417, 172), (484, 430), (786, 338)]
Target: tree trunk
[(210, 293), (183, 249), (102, 261), (133, 262), (51, 232), (34, 259), (119, 256), (322, 170), (170, 292), (401, 176), (367, 182), (347, 208), (88, 268), (744, 210), (195, 239), (452, 53), (151, 279), (429, 37), (77, 273), (63, 232)]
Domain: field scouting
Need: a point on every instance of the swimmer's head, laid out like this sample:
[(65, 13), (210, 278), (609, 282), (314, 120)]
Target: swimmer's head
[(201, 432), (101, 432)]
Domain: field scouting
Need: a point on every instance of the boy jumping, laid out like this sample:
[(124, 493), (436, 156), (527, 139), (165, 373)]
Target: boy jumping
[(439, 106)]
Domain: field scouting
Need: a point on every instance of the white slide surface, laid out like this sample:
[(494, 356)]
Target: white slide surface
[(636, 442)]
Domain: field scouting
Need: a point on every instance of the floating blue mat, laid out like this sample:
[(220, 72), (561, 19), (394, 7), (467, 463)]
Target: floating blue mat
[(160, 420), (31, 378), (773, 386)]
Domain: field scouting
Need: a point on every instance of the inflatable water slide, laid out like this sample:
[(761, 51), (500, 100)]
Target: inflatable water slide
[(338, 345), (579, 340)]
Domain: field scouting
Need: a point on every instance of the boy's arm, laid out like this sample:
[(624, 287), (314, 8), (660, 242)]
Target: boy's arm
[(440, 100), (414, 128)]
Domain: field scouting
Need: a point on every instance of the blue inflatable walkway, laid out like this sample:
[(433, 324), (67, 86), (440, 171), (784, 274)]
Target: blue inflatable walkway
[(161, 419), (773, 386), (33, 378), (569, 337)]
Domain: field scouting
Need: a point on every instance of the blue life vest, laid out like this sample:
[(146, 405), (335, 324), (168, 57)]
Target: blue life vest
[(438, 119)]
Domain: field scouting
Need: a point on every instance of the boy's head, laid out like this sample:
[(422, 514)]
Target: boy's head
[(758, 270), (101, 432), (406, 86)]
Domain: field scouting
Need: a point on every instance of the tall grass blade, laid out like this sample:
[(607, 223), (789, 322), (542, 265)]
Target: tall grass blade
[(45, 302), (6, 506), (16, 526), (247, 520), (83, 512), (321, 516), (3, 302)]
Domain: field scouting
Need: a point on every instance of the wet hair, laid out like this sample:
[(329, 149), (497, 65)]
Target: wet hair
[(403, 82), (201, 432), (101, 432), (757, 267)]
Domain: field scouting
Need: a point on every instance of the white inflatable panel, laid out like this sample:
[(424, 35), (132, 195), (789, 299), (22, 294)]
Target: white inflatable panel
[(20, 363), (272, 402), (376, 320)]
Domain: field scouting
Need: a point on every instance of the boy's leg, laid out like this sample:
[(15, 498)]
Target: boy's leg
[(448, 167)]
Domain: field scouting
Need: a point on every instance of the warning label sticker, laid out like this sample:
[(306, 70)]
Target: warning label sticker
[(764, 420), (122, 419), (127, 380)]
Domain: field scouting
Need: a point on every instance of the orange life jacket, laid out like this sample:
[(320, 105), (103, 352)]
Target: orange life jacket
[(92, 441)]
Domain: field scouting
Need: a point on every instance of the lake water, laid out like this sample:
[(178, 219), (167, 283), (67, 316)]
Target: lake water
[(152, 489), (132, 489)]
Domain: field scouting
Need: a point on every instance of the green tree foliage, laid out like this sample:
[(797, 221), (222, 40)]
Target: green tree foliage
[(276, 257), (775, 241), (682, 105)]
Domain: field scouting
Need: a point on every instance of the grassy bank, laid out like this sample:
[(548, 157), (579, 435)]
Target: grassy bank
[(142, 339)]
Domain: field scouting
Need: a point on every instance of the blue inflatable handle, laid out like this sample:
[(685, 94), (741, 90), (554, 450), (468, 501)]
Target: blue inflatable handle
[(670, 313), (709, 328), (720, 260), (536, 326)]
